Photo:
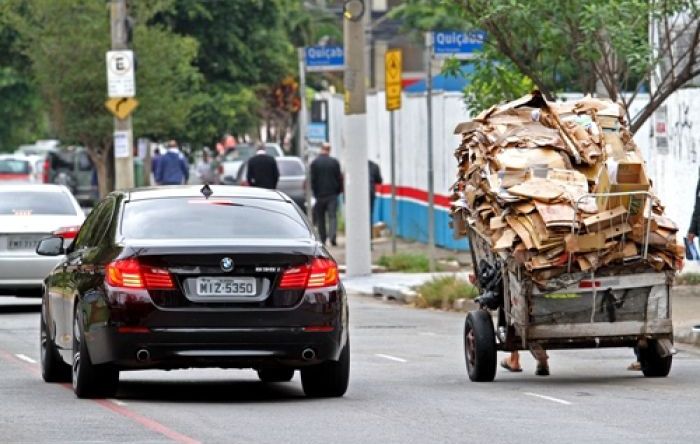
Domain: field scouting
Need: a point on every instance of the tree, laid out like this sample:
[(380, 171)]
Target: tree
[(65, 42), (592, 46), (23, 119)]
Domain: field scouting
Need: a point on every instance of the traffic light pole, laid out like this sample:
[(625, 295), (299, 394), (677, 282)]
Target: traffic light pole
[(124, 164)]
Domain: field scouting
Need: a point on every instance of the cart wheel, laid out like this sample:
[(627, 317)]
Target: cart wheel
[(480, 346), (653, 364)]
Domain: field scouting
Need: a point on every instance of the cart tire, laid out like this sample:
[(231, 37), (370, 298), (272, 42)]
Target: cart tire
[(653, 364), (480, 346)]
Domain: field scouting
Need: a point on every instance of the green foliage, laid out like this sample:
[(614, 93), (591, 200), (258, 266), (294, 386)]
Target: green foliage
[(445, 288), (405, 262), (65, 43), (20, 106), (688, 279), (563, 45)]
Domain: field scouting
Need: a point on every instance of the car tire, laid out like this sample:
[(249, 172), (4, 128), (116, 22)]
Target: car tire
[(53, 369), (276, 374), (328, 379), (480, 346), (653, 364), (89, 380)]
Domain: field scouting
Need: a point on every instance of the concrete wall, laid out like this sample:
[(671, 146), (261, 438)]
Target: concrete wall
[(674, 172)]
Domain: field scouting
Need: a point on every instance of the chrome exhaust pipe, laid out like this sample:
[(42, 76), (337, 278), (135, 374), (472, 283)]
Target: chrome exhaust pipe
[(143, 355), (308, 354)]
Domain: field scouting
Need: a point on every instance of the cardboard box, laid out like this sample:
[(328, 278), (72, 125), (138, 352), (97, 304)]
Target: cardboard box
[(628, 177)]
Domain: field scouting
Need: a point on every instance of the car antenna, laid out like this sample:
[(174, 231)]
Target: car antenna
[(206, 191)]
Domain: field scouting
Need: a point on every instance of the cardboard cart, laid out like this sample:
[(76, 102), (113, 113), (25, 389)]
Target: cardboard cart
[(571, 249), (622, 305)]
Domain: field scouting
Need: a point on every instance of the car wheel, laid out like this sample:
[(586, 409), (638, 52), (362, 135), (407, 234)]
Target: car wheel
[(276, 374), (89, 380), (653, 364), (480, 346), (328, 379), (53, 369)]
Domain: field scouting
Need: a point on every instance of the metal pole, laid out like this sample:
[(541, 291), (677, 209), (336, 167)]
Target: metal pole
[(431, 173), (123, 166), (303, 148), (357, 229), (394, 212)]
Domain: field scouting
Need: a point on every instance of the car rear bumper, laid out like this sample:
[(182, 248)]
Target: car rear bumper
[(168, 348), (212, 337), (25, 271)]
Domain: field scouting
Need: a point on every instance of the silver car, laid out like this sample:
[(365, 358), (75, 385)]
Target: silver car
[(28, 213), (292, 178)]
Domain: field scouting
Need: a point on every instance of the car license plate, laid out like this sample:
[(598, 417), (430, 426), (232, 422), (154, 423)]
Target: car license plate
[(224, 286), (22, 242)]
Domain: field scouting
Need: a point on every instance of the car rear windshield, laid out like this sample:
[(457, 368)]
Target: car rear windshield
[(35, 203), (216, 218), (291, 168), (14, 166)]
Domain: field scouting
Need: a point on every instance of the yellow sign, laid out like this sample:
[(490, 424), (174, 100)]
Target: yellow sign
[(122, 108), (392, 79)]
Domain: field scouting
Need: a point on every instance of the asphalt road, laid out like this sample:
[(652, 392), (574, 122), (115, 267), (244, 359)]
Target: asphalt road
[(408, 385)]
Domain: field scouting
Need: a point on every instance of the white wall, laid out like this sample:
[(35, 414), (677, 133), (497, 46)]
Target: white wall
[(674, 174)]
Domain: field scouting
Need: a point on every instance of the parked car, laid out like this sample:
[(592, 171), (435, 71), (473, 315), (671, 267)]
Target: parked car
[(235, 157), (28, 213), (16, 169), (73, 168), (148, 285), (292, 178)]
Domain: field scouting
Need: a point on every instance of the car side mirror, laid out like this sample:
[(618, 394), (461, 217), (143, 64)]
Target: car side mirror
[(50, 246)]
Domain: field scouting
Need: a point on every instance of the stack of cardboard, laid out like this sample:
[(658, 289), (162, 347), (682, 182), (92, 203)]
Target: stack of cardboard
[(530, 178)]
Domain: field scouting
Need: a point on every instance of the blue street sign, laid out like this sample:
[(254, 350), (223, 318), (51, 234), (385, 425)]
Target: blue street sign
[(324, 58), (316, 132), (458, 43)]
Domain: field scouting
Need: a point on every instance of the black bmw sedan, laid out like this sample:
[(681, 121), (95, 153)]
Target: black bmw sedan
[(181, 277)]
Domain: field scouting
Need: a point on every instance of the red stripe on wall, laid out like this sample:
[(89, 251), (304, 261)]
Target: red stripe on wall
[(414, 193)]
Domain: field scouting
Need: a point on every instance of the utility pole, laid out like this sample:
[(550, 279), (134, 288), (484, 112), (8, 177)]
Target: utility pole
[(303, 146), (431, 172), (123, 134), (357, 227)]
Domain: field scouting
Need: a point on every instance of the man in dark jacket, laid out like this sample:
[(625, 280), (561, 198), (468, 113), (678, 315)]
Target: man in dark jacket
[(262, 170), (375, 178), (172, 167), (326, 184)]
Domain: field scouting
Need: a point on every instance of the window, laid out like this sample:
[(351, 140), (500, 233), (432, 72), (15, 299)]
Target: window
[(27, 203), (96, 224), (216, 218), (290, 168), (14, 166)]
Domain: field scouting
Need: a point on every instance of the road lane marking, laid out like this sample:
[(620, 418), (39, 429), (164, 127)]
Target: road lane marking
[(389, 357), (119, 403), (548, 398), (148, 423), (25, 358)]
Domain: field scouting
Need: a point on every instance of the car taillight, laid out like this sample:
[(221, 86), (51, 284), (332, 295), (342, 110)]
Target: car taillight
[(320, 273), (67, 232), (45, 171), (130, 273)]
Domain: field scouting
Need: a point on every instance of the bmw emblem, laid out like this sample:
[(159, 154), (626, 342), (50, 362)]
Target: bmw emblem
[(227, 264)]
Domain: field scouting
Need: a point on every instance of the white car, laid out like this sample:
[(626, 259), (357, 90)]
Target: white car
[(235, 157), (28, 213), (17, 168)]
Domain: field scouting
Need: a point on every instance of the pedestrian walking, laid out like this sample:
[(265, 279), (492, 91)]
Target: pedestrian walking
[(375, 178), (172, 167), (206, 168), (262, 170), (326, 185), (154, 161)]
